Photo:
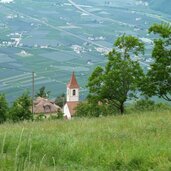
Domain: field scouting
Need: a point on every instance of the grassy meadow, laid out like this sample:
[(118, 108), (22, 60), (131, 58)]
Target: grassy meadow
[(129, 142)]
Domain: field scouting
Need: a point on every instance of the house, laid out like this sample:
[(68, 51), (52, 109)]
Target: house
[(45, 106), (72, 97)]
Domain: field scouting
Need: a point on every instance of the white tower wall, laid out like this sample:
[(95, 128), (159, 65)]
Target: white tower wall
[(72, 95)]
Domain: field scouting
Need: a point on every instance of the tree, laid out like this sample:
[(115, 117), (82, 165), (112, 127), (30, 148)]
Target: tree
[(20, 109), (3, 108), (89, 109), (43, 93), (158, 78), (86, 109), (121, 76), (60, 100)]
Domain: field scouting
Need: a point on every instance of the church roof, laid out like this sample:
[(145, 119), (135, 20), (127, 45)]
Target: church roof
[(73, 82), (72, 106)]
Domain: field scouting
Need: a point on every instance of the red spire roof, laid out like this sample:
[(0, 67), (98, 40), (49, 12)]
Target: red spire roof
[(73, 82)]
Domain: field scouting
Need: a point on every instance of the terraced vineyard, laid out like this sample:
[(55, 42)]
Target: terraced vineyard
[(53, 38)]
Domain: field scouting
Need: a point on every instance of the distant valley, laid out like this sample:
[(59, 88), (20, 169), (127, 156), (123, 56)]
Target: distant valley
[(161, 5), (53, 38)]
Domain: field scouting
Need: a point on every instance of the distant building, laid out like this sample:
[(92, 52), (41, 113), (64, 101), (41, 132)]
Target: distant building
[(72, 97), (45, 106)]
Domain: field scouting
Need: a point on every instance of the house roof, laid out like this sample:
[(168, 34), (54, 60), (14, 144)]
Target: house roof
[(42, 105), (72, 106), (73, 82)]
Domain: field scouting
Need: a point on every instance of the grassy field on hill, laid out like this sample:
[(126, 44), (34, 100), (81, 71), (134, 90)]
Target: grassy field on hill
[(130, 142)]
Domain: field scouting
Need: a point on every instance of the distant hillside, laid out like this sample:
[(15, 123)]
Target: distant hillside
[(161, 5), (54, 37)]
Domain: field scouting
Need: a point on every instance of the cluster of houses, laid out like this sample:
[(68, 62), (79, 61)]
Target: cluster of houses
[(48, 107)]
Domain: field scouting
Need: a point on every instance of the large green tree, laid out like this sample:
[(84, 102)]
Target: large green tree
[(3, 108), (158, 79), (121, 77), (20, 109)]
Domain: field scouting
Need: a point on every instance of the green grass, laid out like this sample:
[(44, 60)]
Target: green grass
[(131, 142)]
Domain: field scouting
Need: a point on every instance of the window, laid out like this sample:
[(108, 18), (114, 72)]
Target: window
[(47, 109), (74, 92)]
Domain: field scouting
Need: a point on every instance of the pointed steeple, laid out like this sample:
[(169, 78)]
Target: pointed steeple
[(72, 97), (73, 82)]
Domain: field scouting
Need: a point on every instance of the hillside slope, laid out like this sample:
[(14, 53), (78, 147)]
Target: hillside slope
[(130, 142), (53, 38), (161, 5)]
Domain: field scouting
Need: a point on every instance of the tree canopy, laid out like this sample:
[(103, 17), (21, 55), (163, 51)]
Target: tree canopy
[(42, 92), (121, 76), (20, 109), (60, 100), (3, 108), (158, 78)]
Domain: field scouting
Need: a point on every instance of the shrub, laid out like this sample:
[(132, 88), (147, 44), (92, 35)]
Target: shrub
[(60, 100), (43, 93), (40, 117), (144, 105), (20, 109), (86, 109), (58, 115), (149, 105), (3, 108)]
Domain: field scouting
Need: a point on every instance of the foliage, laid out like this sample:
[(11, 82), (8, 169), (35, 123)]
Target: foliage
[(3, 108), (60, 100), (86, 109), (158, 79), (145, 105), (121, 77), (59, 115), (43, 93), (40, 117), (20, 109), (129, 142)]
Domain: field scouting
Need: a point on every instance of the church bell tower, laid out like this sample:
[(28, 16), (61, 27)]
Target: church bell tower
[(72, 90)]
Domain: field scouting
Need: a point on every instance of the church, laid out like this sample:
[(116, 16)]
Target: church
[(72, 97)]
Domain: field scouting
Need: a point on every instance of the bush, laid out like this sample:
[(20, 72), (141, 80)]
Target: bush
[(3, 108), (149, 105), (86, 109), (144, 105), (60, 100), (40, 117), (20, 109), (43, 93), (58, 115)]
